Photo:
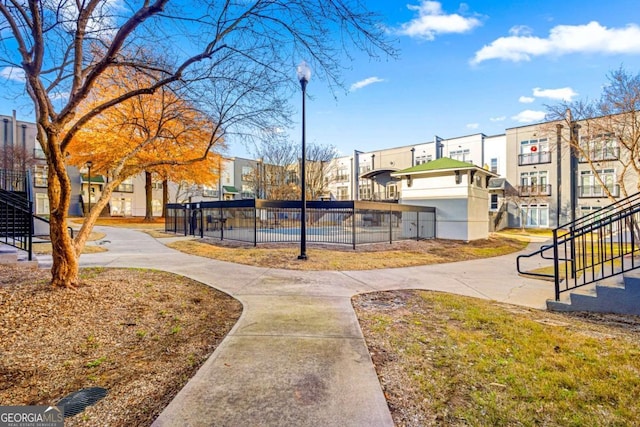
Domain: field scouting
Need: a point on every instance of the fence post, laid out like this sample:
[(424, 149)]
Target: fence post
[(353, 225), (255, 225), (390, 226), (417, 225), (30, 234), (556, 265), (185, 220), (201, 224)]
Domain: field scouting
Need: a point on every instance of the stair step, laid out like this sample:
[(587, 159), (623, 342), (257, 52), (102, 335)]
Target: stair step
[(614, 295)]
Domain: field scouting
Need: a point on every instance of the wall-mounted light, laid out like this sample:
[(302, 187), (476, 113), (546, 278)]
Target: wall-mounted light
[(458, 177), (408, 180)]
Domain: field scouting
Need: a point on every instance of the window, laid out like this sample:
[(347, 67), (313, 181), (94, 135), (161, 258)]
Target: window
[(156, 207), (342, 193), (392, 191), (247, 173), (423, 159), (121, 206), (494, 202), (590, 185), (494, 165), (363, 169), (125, 186), (534, 184), (365, 192), (40, 176), (462, 155), (247, 192), (601, 147), (342, 175), (209, 192), (535, 216), (534, 151), (156, 185), (42, 204)]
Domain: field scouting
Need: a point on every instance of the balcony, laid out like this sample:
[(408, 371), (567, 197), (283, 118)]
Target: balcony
[(124, 188), (601, 155), (209, 193), (595, 191), (534, 158), (40, 181), (534, 190)]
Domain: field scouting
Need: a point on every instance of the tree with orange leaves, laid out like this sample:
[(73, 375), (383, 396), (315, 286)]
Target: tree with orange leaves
[(160, 133)]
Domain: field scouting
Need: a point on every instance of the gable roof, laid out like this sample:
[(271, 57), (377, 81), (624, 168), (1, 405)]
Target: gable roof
[(439, 165)]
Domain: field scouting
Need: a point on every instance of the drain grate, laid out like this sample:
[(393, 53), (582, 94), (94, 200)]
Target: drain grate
[(77, 401)]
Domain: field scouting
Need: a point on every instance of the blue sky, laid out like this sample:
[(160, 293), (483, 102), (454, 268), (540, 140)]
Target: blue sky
[(479, 66)]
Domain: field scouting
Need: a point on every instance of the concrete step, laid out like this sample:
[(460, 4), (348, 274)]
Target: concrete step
[(618, 294), (13, 256)]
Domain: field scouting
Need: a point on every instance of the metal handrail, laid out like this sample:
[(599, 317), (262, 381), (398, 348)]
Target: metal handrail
[(601, 244)]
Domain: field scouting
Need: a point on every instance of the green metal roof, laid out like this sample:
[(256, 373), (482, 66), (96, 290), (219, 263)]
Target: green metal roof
[(98, 179), (441, 164), (230, 189)]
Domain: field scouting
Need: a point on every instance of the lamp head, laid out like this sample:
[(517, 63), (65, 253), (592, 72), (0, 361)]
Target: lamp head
[(304, 73), (89, 164)]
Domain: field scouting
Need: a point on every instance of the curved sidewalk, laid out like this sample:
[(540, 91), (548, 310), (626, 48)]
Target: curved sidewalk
[(297, 356)]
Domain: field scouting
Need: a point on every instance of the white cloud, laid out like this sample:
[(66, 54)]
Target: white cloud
[(526, 99), (520, 30), (563, 40), (473, 125), (432, 21), (529, 116), (366, 82), (498, 119), (563, 93), (13, 73)]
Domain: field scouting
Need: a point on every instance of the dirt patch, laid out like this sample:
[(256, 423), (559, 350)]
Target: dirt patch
[(139, 334)]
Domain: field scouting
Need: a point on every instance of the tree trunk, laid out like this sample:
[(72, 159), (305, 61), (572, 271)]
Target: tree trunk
[(165, 196), (148, 216), (64, 271)]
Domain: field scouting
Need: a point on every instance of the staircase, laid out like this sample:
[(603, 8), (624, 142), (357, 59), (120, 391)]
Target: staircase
[(16, 223), (594, 259)]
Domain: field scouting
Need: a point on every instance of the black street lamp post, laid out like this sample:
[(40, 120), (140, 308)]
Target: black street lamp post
[(89, 164), (304, 74)]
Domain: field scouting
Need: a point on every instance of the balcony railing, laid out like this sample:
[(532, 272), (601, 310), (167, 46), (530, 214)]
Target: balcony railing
[(601, 155), (534, 158), (534, 190), (124, 188), (586, 191), (40, 181), (209, 193)]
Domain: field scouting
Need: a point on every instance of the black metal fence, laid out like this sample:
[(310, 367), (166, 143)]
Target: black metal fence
[(335, 222)]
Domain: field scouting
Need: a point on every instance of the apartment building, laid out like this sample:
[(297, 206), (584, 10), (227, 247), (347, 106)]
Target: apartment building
[(553, 183), (543, 182), (367, 175)]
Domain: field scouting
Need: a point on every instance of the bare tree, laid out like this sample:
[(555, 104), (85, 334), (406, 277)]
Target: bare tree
[(319, 169), (606, 132), (275, 175), (243, 51)]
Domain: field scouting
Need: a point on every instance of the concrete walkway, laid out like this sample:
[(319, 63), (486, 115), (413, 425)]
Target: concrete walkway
[(297, 356)]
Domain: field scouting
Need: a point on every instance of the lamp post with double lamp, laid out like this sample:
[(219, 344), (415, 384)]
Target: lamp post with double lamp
[(304, 74), (89, 164)]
